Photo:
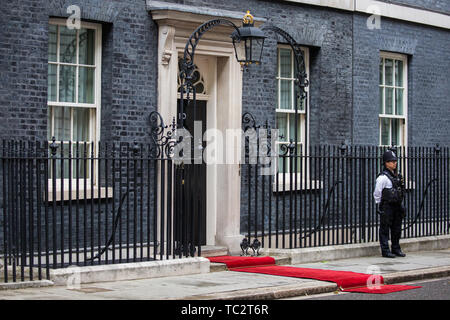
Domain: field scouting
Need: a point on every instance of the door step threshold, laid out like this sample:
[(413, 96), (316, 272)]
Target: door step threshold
[(212, 251)]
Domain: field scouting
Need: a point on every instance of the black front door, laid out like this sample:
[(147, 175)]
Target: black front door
[(193, 180)]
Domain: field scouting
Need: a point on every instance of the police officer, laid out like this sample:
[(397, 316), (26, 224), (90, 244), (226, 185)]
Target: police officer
[(389, 193)]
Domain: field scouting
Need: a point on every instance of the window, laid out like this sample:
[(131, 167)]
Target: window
[(74, 61), (287, 119), (393, 99)]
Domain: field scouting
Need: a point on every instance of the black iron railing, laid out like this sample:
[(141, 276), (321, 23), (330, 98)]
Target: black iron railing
[(324, 195), (65, 203)]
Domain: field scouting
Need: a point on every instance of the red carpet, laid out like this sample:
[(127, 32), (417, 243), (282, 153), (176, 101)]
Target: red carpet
[(236, 262), (345, 280)]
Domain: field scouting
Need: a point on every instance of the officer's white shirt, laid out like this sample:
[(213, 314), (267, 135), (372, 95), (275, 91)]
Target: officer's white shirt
[(382, 182)]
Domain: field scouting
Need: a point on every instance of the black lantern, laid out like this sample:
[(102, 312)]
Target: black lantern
[(248, 42)]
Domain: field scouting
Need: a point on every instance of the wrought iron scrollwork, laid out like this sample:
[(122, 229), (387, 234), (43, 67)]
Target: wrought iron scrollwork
[(164, 140), (288, 149), (255, 246), (187, 66), (301, 77), (251, 130), (244, 247), (301, 82), (325, 213), (422, 203), (185, 249), (264, 149), (197, 79), (249, 122), (53, 147)]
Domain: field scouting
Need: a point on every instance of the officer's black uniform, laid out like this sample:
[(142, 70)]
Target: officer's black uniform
[(391, 210)]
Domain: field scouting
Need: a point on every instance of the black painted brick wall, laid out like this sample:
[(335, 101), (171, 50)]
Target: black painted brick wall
[(23, 61), (343, 79), (129, 72), (428, 85), (344, 72), (328, 33), (129, 67)]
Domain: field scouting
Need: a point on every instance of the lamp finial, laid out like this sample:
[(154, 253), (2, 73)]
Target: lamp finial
[(248, 18)]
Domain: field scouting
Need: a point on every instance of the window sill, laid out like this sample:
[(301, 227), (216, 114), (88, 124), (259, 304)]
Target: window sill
[(82, 194)]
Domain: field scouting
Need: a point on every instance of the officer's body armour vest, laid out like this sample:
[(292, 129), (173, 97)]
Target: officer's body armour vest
[(395, 194)]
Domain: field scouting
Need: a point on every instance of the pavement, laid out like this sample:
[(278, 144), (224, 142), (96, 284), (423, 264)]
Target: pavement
[(222, 284)]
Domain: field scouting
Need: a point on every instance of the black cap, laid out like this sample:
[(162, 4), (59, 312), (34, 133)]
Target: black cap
[(389, 155)]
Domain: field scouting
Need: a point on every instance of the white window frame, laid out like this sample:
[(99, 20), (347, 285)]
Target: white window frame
[(404, 131), (304, 122), (302, 113), (95, 113)]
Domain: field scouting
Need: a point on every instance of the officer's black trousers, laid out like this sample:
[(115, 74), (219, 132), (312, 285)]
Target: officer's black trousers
[(390, 221)]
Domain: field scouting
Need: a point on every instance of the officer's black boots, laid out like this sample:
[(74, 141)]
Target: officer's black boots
[(388, 254), (398, 253)]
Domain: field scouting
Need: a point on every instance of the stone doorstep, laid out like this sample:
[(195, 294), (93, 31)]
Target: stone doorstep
[(211, 251), (130, 271)]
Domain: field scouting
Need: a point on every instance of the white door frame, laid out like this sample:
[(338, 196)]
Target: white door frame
[(224, 112)]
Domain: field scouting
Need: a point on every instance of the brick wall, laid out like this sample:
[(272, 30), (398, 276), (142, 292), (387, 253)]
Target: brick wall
[(23, 61), (328, 33), (343, 78), (341, 108), (428, 86), (128, 66), (344, 69), (129, 69), (344, 64)]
